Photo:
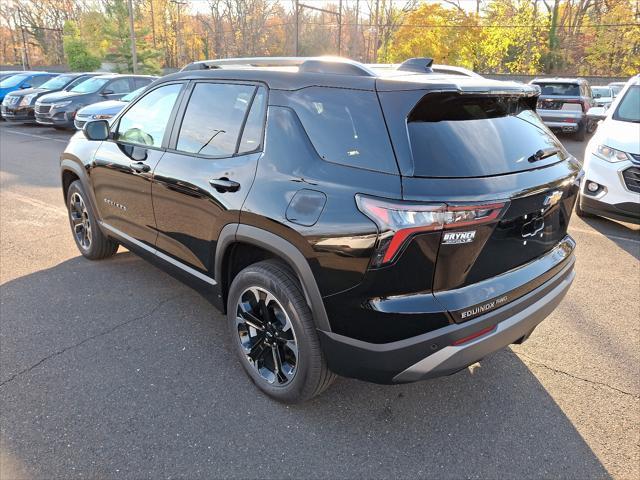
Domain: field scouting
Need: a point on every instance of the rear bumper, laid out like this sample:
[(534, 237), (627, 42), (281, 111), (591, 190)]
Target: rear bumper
[(559, 120), (444, 351)]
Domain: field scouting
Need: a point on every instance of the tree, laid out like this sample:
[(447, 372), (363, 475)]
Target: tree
[(78, 56)]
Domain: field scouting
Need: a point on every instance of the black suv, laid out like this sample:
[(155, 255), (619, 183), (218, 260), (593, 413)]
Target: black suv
[(59, 109), (388, 228)]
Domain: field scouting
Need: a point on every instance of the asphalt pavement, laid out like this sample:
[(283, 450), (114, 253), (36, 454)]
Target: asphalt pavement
[(114, 369)]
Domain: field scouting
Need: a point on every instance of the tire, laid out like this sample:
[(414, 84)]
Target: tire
[(581, 134), (92, 243), (270, 286), (581, 213)]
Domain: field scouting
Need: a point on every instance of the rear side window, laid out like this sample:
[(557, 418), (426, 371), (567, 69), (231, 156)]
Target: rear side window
[(252, 133), (454, 135), (119, 86), (214, 118), (346, 127), (560, 89), (141, 82), (39, 80)]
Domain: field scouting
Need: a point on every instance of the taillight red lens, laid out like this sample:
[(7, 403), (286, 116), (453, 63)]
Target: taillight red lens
[(399, 221)]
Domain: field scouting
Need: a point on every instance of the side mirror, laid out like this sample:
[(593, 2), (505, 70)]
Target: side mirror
[(24, 85), (97, 130), (107, 91), (597, 113)]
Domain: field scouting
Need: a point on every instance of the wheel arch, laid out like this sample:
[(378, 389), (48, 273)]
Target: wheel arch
[(233, 235), (71, 171)]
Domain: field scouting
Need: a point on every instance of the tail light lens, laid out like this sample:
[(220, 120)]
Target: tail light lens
[(398, 221)]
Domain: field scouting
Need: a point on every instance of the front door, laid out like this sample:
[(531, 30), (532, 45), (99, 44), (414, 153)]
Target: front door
[(202, 181), (123, 166)]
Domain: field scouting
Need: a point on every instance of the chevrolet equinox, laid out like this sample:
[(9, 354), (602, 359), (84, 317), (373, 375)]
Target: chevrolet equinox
[(389, 226)]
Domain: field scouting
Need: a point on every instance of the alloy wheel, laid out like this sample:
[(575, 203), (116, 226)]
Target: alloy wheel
[(80, 222), (266, 336)]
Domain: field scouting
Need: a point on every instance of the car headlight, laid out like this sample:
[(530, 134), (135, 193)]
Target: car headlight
[(102, 116), (610, 154), (27, 99), (61, 104)]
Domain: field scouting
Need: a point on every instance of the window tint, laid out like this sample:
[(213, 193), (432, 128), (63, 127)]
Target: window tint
[(560, 89), (141, 82), (213, 118), (146, 121), (346, 127), (252, 134), (464, 136), (119, 86)]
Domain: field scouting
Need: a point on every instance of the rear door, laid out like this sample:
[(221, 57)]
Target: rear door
[(202, 181), (486, 152)]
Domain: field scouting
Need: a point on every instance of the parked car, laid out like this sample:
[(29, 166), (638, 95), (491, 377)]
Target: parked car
[(611, 186), (9, 73), (23, 80), (602, 96), (19, 105), (563, 104), (59, 109), (104, 110), (617, 87), (387, 228)]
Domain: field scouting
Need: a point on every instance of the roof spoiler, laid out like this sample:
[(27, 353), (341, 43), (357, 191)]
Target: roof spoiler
[(417, 64)]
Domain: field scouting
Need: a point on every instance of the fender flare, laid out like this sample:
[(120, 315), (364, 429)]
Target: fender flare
[(73, 166), (282, 248)]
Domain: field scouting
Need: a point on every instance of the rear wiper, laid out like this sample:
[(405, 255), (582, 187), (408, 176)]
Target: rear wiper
[(544, 153)]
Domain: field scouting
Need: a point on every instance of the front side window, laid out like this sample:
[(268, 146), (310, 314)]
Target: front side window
[(145, 123), (214, 118), (629, 107), (90, 86), (119, 86), (76, 82), (346, 127)]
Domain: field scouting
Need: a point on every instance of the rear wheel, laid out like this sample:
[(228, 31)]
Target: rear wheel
[(89, 239), (273, 332)]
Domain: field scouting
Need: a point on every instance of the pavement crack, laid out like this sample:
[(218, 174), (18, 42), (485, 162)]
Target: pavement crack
[(88, 339), (582, 379)]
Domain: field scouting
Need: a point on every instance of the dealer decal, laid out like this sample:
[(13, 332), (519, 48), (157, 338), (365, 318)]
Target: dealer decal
[(456, 238)]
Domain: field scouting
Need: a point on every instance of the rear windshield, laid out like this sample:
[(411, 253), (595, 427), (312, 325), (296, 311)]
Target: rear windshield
[(560, 89), (455, 135)]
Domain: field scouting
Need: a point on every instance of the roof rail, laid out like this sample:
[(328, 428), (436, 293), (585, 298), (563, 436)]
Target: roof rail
[(418, 64), (330, 65)]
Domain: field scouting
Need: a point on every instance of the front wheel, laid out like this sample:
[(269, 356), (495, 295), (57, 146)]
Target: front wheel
[(89, 239), (274, 335)]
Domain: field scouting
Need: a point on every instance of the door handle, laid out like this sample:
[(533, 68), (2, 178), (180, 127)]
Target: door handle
[(140, 167), (224, 185)]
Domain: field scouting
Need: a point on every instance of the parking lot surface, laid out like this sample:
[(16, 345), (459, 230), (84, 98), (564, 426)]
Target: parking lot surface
[(114, 369)]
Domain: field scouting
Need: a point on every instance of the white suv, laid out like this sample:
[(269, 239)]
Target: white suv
[(611, 186)]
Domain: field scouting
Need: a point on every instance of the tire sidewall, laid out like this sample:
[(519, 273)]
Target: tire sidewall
[(76, 187), (294, 391)]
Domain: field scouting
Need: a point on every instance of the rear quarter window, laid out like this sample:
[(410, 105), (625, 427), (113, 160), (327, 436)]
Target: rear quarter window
[(345, 127)]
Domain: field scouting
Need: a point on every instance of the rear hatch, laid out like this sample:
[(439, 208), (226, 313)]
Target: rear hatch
[(504, 182), (561, 98)]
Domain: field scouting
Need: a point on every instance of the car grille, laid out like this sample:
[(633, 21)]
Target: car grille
[(632, 179), (43, 108)]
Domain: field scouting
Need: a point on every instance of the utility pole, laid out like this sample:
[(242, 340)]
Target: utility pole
[(297, 31), (25, 52), (153, 25), (132, 35), (179, 50), (339, 27)]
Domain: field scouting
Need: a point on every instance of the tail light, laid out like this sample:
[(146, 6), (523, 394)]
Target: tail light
[(398, 221)]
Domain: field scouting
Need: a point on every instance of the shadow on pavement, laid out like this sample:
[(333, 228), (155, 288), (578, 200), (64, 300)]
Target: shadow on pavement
[(129, 373), (625, 237)]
